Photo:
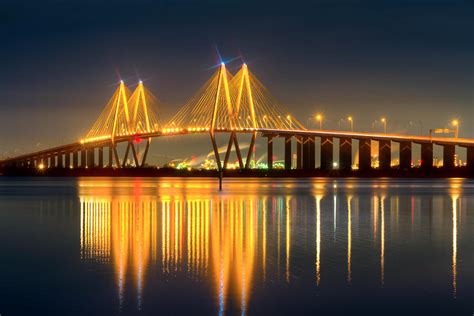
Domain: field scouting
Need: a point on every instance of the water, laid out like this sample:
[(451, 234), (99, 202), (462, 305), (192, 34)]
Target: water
[(97, 246)]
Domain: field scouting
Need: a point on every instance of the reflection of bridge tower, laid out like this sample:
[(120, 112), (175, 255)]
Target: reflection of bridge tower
[(185, 235), (233, 247), (95, 231), (122, 232), (220, 238)]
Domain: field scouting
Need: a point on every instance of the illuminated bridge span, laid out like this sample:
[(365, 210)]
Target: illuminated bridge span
[(228, 104)]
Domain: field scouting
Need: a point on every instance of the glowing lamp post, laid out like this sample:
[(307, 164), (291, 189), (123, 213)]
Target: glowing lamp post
[(384, 121), (319, 118), (349, 118), (455, 123)]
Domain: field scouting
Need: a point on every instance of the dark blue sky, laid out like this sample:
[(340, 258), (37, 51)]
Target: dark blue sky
[(406, 60)]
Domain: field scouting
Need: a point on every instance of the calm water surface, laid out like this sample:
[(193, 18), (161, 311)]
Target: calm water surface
[(98, 246)]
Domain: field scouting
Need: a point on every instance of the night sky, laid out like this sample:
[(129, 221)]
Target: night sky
[(406, 60)]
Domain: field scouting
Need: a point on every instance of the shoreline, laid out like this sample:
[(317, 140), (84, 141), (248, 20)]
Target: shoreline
[(459, 172)]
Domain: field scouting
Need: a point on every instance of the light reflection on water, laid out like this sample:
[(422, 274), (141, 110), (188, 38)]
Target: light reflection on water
[(280, 246)]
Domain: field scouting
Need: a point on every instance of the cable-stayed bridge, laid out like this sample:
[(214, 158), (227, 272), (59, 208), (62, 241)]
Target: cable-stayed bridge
[(231, 105)]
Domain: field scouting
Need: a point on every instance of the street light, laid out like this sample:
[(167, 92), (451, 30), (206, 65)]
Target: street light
[(349, 118), (455, 123), (384, 121), (319, 118)]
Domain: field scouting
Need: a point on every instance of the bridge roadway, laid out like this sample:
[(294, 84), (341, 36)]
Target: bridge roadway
[(84, 153)]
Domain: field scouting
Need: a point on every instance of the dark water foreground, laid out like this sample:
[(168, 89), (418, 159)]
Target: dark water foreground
[(103, 246)]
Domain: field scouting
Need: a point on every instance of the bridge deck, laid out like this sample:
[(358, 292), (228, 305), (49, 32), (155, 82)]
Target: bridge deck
[(463, 142)]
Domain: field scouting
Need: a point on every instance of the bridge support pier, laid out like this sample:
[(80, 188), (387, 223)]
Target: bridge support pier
[(448, 156), (134, 154), (101, 157), (405, 155), (228, 150), (83, 158), (345, 153), (117, 159), (312, 152), (365, 161), (287, 152), (309, 154), (385, 154), (75, 159), (90, 158), (125, 157), (111, 157), (270, 152), (427, 155), (233, 140), (470, 158), (250, 152), (51, 161), (60, 160), (145, 153), (327, 153), (299, 152), (67, 162)]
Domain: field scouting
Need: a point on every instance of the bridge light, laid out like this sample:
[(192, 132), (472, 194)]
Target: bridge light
[(456, 124), (40, 166), (319, 118), (384, 121), (349, 118)]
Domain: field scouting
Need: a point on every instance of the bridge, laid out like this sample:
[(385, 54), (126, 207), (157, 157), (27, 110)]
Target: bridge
[(231, 105)]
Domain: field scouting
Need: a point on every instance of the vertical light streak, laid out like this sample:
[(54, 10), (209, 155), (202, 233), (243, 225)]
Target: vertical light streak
[(163, 234), (375, 213), (349, 240), (455, 244), (279, 236), (264, 239), (188, 235), (168, 241), (82, 228), (318, 239), (176, 233), (335, 215), (382, 241), (288, 238), (208, 211)]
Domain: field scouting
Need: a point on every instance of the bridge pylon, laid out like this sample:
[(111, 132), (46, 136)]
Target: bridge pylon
[(232, 104), (126, 117)]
